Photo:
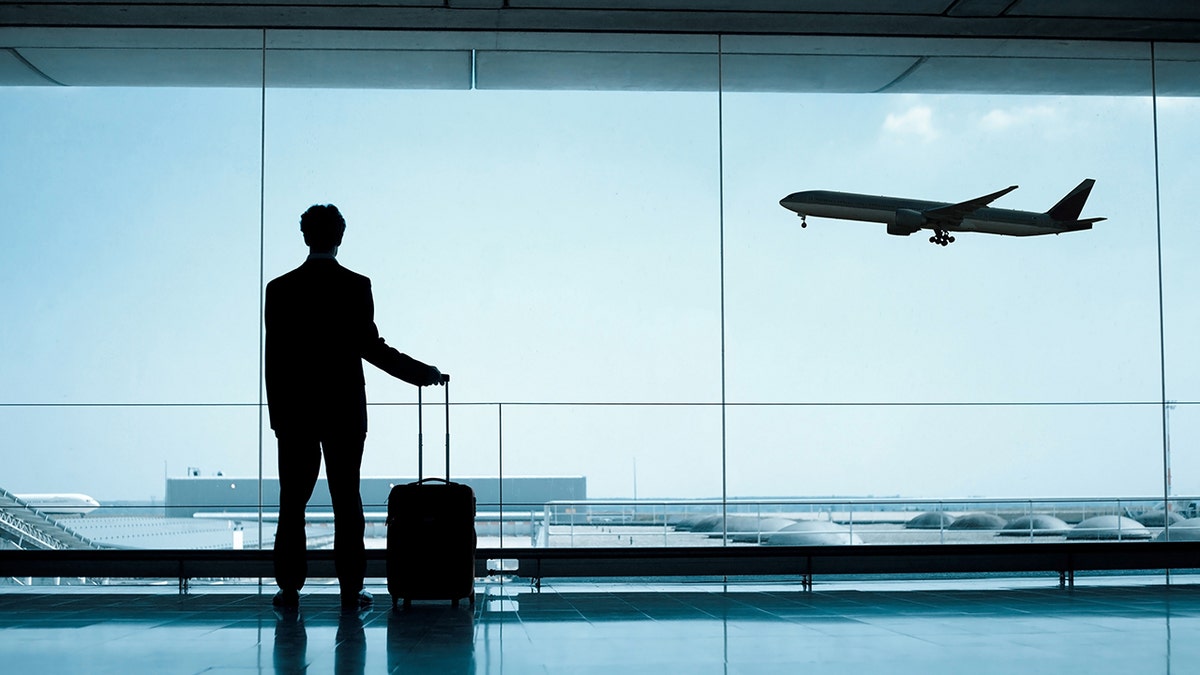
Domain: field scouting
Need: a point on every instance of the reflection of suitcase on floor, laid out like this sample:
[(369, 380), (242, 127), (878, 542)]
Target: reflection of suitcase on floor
[(431, 533)]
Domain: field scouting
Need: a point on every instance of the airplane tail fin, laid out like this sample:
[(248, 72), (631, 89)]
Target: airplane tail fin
[(1068, 208)]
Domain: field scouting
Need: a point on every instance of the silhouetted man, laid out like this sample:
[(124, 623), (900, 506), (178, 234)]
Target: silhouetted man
[(320, 326)]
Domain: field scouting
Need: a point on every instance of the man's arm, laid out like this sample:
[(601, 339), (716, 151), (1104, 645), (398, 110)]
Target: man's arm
[(397, 364), (387, 358)]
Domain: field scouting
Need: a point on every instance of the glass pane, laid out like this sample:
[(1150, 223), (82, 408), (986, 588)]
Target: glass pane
[(840, 312), (390, 454), (132, 277), (1183, 423), (1179, 141), (640, 464), (545, 245), (125, 458), (1176, 69), (947, 452), (538, 246), (132, 263)]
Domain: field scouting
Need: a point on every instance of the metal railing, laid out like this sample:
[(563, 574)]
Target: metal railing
[(863, 521), (24, 525), (690, 523), (798, 564)]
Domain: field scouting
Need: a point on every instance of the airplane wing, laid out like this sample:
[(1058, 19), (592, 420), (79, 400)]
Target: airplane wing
[(953, 214)]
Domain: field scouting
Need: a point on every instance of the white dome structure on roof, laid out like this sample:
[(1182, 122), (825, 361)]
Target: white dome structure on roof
[(707, 524), (978, 521), (1037, 525), (813, 533), (1184, 530), (756, 530), (930, 520), (1109, 527)]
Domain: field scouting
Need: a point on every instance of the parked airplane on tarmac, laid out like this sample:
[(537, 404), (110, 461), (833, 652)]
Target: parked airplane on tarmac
[(906, 216), (60, 504)]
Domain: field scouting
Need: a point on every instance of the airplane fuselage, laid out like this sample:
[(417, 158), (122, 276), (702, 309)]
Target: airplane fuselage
[(60, 504), (878, 209)]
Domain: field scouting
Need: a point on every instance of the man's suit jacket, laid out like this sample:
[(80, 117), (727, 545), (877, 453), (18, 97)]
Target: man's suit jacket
[(320, 322)]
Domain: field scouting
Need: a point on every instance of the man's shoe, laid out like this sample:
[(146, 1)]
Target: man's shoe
[(286, 599), (359, 600)]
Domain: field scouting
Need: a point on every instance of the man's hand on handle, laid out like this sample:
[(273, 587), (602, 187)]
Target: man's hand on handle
[(436, 377)]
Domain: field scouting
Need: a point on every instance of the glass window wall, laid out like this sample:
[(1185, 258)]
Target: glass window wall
[(588, 236), (1176, 68)]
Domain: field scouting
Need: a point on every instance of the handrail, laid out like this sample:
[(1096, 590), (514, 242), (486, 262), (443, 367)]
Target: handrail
[(881, 501), (848, 511), (26, 531), (51, 534), (802, 563)]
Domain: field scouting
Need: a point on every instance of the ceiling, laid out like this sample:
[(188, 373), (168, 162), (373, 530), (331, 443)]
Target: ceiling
[(1085, 47)]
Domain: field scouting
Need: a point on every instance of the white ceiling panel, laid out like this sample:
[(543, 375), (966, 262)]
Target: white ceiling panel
[(149, 67), (369, 69), (811, 73), (380, 39), (607, 42), (886, 46), (15, 72), (1027, 76), (505, 58), (1177, 69), (595, 71)]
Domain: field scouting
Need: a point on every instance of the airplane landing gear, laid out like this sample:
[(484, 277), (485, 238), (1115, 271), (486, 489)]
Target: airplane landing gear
[(803, 222), (941, 237)]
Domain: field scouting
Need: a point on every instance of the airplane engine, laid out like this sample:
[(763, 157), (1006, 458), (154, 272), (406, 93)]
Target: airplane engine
[(907, 221)]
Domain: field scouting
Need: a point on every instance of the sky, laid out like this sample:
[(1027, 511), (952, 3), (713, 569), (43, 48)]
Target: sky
[(561, 252)]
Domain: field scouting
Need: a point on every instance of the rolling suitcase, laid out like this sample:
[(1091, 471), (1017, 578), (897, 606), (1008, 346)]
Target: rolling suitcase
[(431, 533)]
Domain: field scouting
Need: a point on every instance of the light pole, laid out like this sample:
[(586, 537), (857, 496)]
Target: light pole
[(1167, 408)]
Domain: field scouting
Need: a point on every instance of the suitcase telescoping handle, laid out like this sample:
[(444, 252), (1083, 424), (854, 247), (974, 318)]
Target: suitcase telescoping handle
[(421, 433)]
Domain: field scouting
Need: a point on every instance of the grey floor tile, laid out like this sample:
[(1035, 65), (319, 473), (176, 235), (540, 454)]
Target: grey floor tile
[(659, 629)]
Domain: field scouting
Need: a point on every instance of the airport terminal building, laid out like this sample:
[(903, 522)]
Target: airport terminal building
[(190, 495)]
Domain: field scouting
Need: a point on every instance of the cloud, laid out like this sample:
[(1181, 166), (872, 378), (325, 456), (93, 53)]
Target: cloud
[(1003, 120), (915, 122)]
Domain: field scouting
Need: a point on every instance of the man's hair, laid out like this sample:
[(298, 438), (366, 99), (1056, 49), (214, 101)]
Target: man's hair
[(323, 226)]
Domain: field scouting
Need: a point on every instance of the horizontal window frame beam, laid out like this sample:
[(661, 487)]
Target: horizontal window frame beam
[(536, 564)]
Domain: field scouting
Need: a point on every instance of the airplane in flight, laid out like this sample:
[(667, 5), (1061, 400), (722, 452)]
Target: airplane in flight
[(906, 216)]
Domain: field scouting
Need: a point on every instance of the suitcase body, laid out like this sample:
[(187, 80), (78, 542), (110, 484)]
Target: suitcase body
[(431, 541), (431, 533)]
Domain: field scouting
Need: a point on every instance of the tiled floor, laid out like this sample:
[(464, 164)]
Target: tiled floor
[(1018, 627)]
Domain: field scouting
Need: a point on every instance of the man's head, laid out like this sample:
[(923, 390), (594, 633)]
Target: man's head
[(323, 226)]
